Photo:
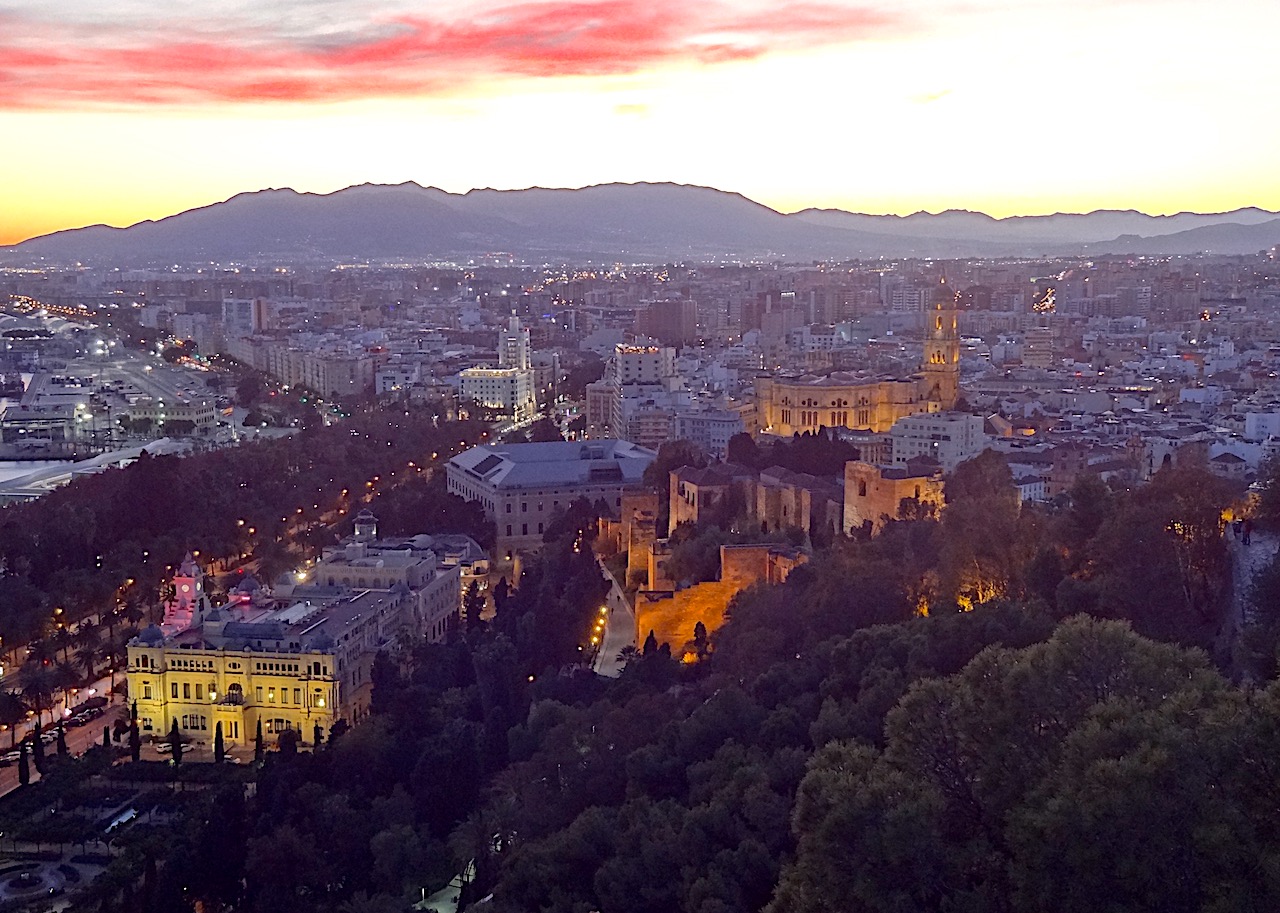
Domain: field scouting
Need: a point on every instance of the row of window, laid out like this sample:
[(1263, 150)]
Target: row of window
[(193, 665), (312, 668), (524, 506), (524, 529)]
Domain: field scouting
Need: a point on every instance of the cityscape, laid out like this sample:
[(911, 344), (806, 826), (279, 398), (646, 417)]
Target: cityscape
[(621, 458)]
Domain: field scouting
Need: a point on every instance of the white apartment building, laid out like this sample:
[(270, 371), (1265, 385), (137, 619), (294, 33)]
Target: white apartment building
[(948, 437), (508, 389), (710, 429)]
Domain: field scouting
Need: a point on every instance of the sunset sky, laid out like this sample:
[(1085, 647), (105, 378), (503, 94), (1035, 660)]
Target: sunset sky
[(119, 110)]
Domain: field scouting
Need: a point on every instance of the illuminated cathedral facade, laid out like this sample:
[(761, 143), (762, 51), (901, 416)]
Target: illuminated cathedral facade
[(787, 405)]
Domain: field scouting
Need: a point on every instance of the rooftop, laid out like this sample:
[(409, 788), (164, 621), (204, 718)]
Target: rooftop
[(554, 463)]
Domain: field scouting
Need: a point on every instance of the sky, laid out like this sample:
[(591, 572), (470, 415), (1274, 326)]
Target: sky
[(114, 111)]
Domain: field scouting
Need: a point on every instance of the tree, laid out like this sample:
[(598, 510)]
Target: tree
[(24, 769), (37, 686), (135, 741), (385, 683), (650, 644), (700, 639), (259, 748), (742, 450), (288, 744), (37, 746), (106, 736), (472, 607), (12, 712), (219, 747), (175, 744), (62, 739), (317, 736)]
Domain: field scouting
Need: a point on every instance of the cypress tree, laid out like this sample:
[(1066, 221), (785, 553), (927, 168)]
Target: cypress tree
[(24, 769), (259, 750), (37, 746), (135, 741), (62, 740), (106, 736), (219, 748), (133, 712), (318, 735), (175, 744)]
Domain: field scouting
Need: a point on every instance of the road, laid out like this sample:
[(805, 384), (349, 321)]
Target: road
[(79, 740)]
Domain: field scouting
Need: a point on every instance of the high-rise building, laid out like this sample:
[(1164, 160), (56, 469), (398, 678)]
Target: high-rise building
[(509, 390)]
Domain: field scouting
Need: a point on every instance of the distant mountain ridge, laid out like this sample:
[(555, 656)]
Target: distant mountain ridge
[(638, 222)]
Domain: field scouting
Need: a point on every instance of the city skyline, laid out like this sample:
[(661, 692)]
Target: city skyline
[(113, 115)]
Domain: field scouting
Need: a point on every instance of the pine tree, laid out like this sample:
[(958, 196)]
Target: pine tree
[(24, 769), (175, 744), (700, 639), (259, 750), (219, 748), (135, 741)]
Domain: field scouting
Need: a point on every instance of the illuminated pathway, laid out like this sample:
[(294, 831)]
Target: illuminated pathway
[(619, 630)]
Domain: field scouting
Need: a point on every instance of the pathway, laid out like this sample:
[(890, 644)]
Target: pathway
[(1246, 561), (619, 631)]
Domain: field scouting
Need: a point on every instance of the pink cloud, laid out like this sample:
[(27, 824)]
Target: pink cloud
[(47, 66)]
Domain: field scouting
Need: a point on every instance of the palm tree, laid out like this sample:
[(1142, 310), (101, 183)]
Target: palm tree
[(12, 712), (87, 659), (65, 679), (63, 639), (42, 650), (37, 683), (87, 633)]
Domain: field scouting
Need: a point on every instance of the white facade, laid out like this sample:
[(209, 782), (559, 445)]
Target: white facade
[(513, 346), (509, 391), (948, 437), (710, 430), (643, 364)]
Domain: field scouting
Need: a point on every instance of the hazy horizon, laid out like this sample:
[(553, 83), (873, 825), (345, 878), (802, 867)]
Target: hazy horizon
[(119, 112), (815, 206)]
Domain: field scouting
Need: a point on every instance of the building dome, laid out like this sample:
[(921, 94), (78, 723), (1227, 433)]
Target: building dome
[(248, 584), (151, 636)]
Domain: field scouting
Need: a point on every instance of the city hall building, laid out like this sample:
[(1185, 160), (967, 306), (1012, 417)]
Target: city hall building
[(291, 658)]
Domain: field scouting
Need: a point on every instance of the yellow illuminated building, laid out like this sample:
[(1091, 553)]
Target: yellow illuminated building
[(787, 405)]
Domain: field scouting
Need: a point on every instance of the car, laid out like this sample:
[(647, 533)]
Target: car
[(11, 757)]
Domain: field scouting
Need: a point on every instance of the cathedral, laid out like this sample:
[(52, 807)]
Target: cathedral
[(787, 405)]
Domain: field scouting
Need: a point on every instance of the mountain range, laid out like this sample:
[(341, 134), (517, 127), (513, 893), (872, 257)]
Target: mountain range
[(628, 222)]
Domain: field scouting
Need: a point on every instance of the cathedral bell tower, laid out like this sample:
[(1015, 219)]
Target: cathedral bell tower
[(940, 371)]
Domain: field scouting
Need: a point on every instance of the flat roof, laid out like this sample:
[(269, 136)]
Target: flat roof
[(554, 463)]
